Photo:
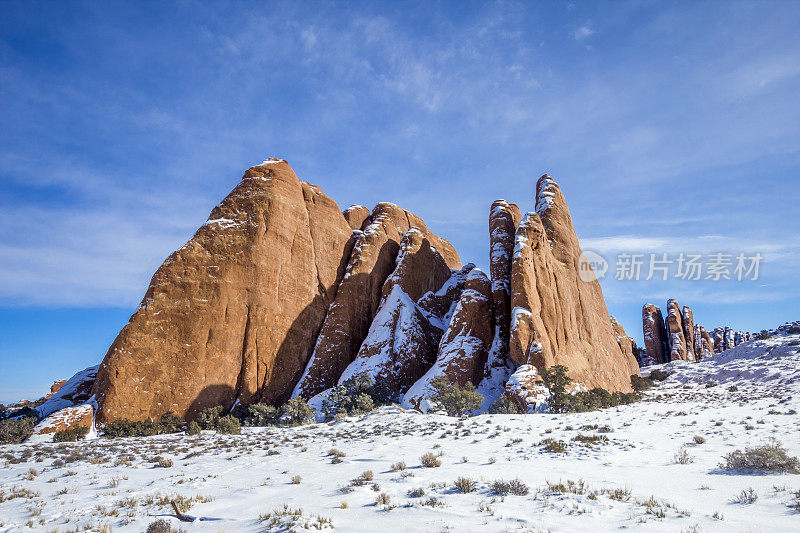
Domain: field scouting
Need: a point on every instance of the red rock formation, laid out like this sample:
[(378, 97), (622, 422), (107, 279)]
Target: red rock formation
[(503, 220), (232, 315), (464, 347), (557, 318), (360, 292), (655, 334), (402, 341), (356, 215), (677, 342), (626, 343), (687, 319)]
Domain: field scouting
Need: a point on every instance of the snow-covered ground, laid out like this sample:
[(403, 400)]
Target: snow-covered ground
[(743, 397)]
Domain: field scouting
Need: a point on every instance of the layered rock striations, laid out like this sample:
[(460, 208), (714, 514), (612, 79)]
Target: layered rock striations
[(655, 335)]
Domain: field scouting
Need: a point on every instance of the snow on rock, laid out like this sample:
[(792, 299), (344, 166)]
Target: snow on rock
[(465, 344), (77, 390), (67, 418), (525, 387)]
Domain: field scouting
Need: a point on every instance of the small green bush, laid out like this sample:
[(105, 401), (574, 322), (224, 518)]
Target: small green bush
[(14, 431), (560, 401), (640, 384), (228, 425), (168, 423), (208, 417), (193, 428), (455, 399), (70, 435), (506, 406), (659, 375), (357, 396), (258, 415), (429, 460), (296, 411)]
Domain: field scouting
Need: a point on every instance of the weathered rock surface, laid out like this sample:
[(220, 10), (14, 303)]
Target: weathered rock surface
[(626, 343), (557, 318), (232, 315), (677, 342), (655, 334), (465, 345), (503, 220), (526, 388), (356, 215), (402, 341), (359, 294), (687, 319)]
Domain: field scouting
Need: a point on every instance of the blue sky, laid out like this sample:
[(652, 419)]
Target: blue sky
[(669, 126)]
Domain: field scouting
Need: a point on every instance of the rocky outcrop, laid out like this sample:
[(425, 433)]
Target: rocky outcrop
[(703, 344), (626, 344), (356, 215), (232, 315), (465, 345), (557, 318), (655, 334), (687, 319), (359, 294), (67, 418), (281, 294), (76, 390), (402, 341), (729, 340), (677, 342), (503, 220)]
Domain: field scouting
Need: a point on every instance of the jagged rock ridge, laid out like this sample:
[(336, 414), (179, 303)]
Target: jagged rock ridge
[(281, 294)]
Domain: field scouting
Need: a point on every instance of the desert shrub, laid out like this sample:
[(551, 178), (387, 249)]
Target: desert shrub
[(416, 493), (506, 406), (699, 439), (358, 395), (193, 428), (208, 417), (70, 434), (640, 384), (659, 375), (746, 497), (464, 484), (504, 488), (164, 462), (455, 399), (161, 525), (170, 423), (167, 423), (296, 411), (761, 335), (228, 425), (682, 457), (553, 446), (398, 466), (296, 480), (257, 415), (560, 401), (429, 460), (766, 459), (14, 431), (383, 499)]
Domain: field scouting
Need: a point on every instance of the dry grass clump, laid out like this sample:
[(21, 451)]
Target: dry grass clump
[(553, 446), (429, 460), (682, 457), (398, 466), (464, 485), (419, 492), (766, 459), (746, 497), (504, 488), (296, 480)]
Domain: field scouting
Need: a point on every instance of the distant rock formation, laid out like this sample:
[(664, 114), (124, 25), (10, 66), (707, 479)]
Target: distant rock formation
[(655, 335), (679, 338)]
